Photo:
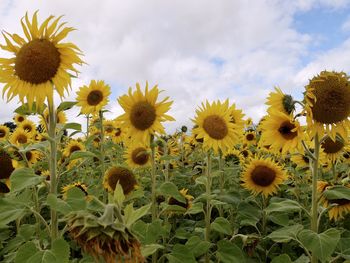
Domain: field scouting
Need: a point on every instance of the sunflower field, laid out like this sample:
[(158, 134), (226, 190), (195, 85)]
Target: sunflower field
[(122, 190)]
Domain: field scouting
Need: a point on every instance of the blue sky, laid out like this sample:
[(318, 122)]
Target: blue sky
[(197, 50)]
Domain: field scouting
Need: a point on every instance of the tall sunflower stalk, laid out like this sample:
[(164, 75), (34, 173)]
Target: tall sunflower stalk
[(102, 152), (208, 205)]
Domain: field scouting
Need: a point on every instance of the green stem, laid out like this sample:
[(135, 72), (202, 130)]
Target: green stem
[(222, 183), (87, 125), (53, 166), (153, 192), (208, 206), (102, 152), (335, 177), (314, 208)]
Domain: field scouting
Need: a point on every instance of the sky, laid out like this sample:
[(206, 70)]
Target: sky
[(196, 50)]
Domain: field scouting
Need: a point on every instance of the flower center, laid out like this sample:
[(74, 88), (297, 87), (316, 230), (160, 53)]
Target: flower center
[(124, 177), (37, 61), (250, 137), (215, 126), (140, 156), (94, 97), (329, 146), (28, 128), (286, 130), (74, 148), (118, 132), (143, 115), (340, 201), (29, 155), (20, 119), (3, 188), (109, 129), (2, 133), (263, 176), (22, 139), (306, 159), (288, 103), (6, 165), (332, 101)]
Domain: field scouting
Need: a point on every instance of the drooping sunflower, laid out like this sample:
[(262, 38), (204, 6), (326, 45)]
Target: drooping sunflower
[(40, 63), (122, 175), (61, 118), (94, 97), (214, 126), (20, 136), (342, 206), (4, 132), (138, 155), (328, 104), (333, 149), (278, 101), (28, 126), (263, 176), (19, 118), (143, 114), (73, 146), (6, 167), (281, 133)]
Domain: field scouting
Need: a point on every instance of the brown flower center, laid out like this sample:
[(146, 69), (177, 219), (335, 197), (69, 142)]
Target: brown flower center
[(29, 155), (332, 103), (28, 127), (340, 201), (37, 61), (263, 176), (6, 165), (3, 188), (250, 137), (143, 115), (20, 119), (306, 159), (74, 148), (215, 126), (122, 175), (245, 153), (285, 130), (118, 132), (140, 156), (109, 129), (329, 146), (94, 97), (22, 139), (2, 133)]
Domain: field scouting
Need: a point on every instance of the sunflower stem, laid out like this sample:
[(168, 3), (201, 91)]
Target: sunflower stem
[(153, 192), (335, 177), (222, 183), (102, 152), (53, 166), (208, 206), (314, 208), (87, 125)]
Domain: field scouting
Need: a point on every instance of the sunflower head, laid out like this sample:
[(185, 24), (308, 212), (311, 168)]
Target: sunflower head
[(73, 146), (94, 97), (28, 126), (41, 63), (328, 104), (80, 186), (138, 155), (263, 176), (188, 199), (20, 137), (122, 175), (6, 165), (333, 149), (278, 101), (18, 118), (61, 118), (4, 132)]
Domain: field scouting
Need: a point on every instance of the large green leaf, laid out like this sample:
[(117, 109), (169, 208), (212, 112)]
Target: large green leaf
[(24, 177), (76, 199), (72, 126), (322, 244), (228, 252), (26, 251), (282, 205), (131, 215), (222, 225), (24, 109), (196, 208), (66, 105), (148, 250), (170, 189), (284, 258), (61, 250), (180, 254), (248, 214), (337, 192), (58, 204), (197, 246), (10, 211), (81, 154), (286, 234)]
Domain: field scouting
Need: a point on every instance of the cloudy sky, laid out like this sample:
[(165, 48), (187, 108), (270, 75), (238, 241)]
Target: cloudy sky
[(197, 49)]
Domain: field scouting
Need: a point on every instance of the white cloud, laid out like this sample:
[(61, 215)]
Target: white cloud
[(194, 50)]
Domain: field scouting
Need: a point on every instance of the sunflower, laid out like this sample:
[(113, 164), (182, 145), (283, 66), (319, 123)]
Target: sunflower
[(122, 175), (78, 185), (234, 156), (263, 176), (143, 114), (31, 156), (61, 118), (4, 132), (188, 199), (281, 132), (20, 136), (342, 206), (333, 149), (138, 155), (6, 165), (249, 138), (236, 117), (278, 101), (41, 63), (73, 146), (19, 118), (95, 133), (28, 126), (215, 127), (109, 128), (328, 104), (94, 97)]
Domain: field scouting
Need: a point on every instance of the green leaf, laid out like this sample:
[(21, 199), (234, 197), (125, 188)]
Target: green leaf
[(222, 225), (66, 105), (149, 233), (24, 109), (27, 231), (61, 250), (196, 208), (81, 154), (282, 205), (197, 246), (322, 244), (228, 252), (201, 180), (148, 250), (337, 192), (248, 215), (76, 199), (72, 126), (285, 234), (10, 211), (58, 204), (131, 215), (41, 146), (344, 243), (26, 251), (118, 196), (284, 258), (24, 177), (44, 256), (181, 254), (170, 189), (279, 218)]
